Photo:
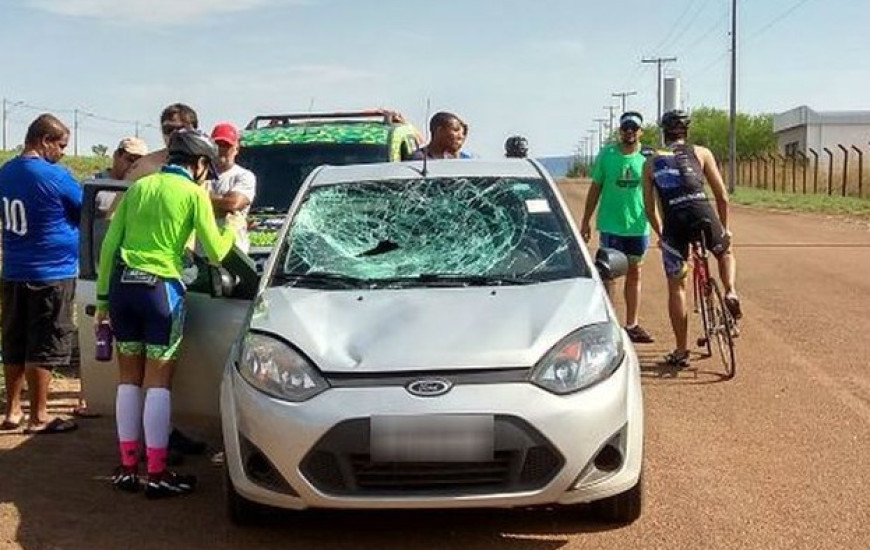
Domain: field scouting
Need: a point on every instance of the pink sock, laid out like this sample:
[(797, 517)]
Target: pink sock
[(130, 453), (156, 460)]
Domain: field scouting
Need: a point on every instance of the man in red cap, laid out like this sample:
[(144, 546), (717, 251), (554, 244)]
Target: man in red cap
[(235, 188)]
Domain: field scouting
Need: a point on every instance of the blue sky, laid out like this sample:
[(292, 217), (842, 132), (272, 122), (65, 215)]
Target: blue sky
[(543, 69)]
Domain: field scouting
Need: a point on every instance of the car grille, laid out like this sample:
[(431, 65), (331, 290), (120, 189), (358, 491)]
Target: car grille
[(340, 464)]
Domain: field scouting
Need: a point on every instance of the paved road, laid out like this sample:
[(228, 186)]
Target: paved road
[(777, 458)]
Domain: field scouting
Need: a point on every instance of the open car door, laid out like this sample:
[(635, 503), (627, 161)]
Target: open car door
[(218, 300)]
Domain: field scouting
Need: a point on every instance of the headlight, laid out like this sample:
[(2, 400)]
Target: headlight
[(584, 358), (275, 368)]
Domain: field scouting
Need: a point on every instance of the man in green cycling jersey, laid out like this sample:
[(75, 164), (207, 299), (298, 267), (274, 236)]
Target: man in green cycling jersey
[(139, 288)]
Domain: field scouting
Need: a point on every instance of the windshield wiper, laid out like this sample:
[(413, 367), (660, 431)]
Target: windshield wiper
[(458, 280), (333, 280)]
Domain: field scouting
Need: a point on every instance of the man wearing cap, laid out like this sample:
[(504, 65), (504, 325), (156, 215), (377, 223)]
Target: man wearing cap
[(129, 150), (621, 221), (235, 188)]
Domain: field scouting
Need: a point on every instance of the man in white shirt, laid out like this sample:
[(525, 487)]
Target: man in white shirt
[(235, 188)]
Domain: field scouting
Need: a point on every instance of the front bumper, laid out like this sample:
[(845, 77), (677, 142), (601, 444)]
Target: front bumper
[(314, 455)]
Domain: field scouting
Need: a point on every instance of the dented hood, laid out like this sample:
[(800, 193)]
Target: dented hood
[(388, 330)]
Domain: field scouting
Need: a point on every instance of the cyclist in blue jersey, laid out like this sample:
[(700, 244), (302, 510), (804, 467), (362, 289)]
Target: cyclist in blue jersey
[(676, 203), (40, 206)]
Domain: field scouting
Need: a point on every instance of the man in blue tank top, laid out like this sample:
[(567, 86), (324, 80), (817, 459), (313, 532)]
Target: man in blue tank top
[(40, 206), (673, 183)]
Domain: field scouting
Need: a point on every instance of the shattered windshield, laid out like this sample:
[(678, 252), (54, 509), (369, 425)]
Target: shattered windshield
[(434, 231)]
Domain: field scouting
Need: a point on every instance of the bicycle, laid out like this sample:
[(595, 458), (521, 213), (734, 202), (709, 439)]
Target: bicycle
[(716, 320)]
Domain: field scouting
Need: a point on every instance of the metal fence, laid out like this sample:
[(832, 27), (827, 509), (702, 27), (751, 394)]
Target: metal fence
[(838, 171)]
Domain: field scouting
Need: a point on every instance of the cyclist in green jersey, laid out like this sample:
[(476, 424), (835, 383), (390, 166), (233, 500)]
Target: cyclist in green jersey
[(139, 288)]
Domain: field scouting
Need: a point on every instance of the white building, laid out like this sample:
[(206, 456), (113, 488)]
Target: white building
[(802, 128)]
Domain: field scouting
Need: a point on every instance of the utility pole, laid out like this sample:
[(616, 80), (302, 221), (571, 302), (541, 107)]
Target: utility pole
[(137, 129), (75, 132), (600, 122), (5, 123), (610, 108), (622, 96), (732, 120), (659, 61), (592, 151)]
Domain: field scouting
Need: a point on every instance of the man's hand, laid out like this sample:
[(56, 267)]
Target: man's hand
[(585, 231), (236, 221)]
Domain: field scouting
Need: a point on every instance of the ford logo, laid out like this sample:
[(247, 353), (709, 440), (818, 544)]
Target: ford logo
[(429, 387)]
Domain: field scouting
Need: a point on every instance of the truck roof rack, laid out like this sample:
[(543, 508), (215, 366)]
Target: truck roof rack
[(375, 115)]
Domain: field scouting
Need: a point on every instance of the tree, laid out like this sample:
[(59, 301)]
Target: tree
[(710, 129), (100, 150)]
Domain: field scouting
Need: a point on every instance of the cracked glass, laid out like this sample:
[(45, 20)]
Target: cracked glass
[(430, 231)]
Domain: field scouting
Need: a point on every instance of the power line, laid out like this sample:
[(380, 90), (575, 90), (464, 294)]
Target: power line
[(777, 19), (674, 27)]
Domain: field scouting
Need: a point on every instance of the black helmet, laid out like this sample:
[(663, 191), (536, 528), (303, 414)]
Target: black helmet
[(516, 147), (675, 118), (188, 143)]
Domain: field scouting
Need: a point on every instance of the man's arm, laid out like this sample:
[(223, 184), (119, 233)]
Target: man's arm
[(229, 202), (592, 199), (717, 185), (650, 204)]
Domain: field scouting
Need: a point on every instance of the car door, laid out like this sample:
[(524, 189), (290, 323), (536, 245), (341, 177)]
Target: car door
[(212, 322)]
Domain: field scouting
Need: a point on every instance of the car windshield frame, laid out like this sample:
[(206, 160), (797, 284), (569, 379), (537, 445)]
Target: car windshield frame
[(435, 231)]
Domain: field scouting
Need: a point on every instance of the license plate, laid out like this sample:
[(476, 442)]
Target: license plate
[(432, 438)]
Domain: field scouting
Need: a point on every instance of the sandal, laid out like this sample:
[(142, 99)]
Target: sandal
[(56, 426), (9, 425), (84, 412), (677, 359)]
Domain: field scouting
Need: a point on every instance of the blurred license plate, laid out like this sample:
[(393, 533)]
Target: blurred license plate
[(433, 438)]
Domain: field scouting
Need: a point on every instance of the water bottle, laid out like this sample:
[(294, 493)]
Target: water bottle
[(104, 342)]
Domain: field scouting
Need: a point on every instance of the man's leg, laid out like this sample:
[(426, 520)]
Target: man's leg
[(728, 271), (678, 314), (14, 376), (38, 384), (632, 294)]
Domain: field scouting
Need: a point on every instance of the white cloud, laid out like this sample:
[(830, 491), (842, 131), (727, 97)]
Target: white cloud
[(152, 11)]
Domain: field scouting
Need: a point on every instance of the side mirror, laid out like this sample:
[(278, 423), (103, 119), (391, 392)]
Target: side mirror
[(611, 264), (223, 283)]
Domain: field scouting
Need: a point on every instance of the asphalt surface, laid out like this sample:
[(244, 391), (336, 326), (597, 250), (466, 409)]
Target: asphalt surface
[(776, 458)]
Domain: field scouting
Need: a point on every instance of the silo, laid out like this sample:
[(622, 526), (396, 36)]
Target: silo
[(672, 94)]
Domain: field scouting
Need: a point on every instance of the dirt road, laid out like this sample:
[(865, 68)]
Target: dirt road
[(777, 458)]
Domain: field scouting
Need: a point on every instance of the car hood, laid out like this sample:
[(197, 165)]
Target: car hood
[(423, 329)]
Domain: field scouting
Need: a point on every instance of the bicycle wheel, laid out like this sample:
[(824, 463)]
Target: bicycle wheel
[(722, 330), (702, 304)]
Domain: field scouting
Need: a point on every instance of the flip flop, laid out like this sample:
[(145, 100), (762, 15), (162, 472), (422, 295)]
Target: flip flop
[(56, 426), (8, 425), (84, 412)]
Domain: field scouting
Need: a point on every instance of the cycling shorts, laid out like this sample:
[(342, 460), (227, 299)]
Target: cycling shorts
[(147, 313), (681, 226), (632, 246)]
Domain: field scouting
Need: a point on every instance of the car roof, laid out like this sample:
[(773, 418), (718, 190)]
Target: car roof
[(517, 168), (371, 127)]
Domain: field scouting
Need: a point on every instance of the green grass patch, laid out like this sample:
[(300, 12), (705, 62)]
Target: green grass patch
[(81, 167), (821, 204)]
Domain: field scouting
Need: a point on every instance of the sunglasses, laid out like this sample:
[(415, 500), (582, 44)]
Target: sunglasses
[(629, 127), (168, 127)]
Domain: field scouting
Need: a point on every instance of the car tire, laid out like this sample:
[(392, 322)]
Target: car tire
[(240, 510), (621, 509)]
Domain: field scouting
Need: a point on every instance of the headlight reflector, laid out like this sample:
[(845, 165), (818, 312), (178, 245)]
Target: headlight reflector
[(584, 358), (277, 369)]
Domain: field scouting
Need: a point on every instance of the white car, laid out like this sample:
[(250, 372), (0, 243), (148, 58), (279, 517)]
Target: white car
[(432, 336)]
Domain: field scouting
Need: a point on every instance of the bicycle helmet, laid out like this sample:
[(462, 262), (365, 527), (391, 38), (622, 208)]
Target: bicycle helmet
[(192, 143), (516, 147), (675, 118)]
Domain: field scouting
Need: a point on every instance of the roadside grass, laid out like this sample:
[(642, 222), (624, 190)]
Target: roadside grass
[(820, 204), (81, 167)]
